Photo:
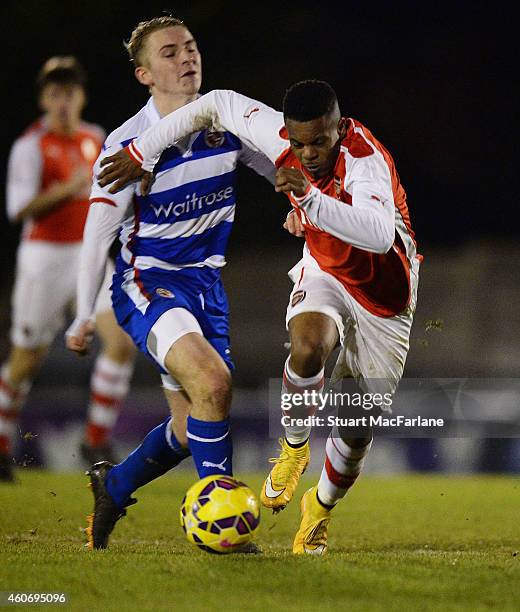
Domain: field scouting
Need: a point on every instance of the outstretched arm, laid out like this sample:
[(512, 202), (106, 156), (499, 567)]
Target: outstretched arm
[(256, 124), (250, 120)]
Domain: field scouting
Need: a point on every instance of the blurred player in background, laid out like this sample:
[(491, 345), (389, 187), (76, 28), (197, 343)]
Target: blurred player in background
[(356, 283), (167, 292), (49, 174)]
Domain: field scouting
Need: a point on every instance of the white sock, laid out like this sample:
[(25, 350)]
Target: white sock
[(292, 383)]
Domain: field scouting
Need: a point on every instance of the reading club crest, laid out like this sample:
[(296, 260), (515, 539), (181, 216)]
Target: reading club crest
[(214, 139), (166, 293)]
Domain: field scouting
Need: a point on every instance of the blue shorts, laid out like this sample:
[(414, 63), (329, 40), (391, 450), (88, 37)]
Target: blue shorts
[(139, 302)]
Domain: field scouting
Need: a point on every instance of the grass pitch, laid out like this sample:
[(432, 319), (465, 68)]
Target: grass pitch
[(402, 543)]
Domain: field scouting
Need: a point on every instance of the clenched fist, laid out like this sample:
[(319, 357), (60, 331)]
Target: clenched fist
[(293, 224), (79, 336), (291, 179)]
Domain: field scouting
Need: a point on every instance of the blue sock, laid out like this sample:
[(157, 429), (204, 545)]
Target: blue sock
[(159, 452), (211, 447)]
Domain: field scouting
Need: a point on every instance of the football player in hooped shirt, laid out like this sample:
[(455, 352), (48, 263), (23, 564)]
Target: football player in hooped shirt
[(357, 280), (166, 291)]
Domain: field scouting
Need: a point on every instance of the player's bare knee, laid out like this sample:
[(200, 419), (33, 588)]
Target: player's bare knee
[(211, 393), (308, 355), (24, 363), (217, 389)]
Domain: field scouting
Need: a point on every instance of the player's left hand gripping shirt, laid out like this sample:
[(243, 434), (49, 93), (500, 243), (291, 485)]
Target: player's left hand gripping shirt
[(181, 228)]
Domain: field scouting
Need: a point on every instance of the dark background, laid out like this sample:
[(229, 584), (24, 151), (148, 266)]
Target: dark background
[(433, 81)]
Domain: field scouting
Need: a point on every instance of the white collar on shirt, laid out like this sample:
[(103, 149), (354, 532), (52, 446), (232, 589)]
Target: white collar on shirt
[(151, 111)]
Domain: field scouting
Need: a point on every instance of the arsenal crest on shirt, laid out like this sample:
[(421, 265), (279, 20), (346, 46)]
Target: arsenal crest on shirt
[(298, 296)]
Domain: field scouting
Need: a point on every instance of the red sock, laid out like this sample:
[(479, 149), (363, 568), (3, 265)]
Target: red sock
[(343, 465), (11, 400), (109, 386)]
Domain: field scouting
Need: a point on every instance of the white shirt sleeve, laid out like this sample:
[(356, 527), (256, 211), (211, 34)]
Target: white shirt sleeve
[(23, 174), (105, 217), (258, 162), (369, 223), (256, 124)]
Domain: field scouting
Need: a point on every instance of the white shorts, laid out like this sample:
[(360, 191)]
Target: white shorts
[(170, 327), (44, 290), (374, 349)]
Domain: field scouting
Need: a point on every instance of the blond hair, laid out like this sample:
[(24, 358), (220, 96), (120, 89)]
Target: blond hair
[(140, 33)]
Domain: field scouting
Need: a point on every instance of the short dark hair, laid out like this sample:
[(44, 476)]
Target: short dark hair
[(61, 70), (308, 100)]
